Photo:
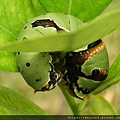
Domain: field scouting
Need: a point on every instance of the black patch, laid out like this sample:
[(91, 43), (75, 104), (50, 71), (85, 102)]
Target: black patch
[(95, 72), (94, 44), (98, 75), (24, 38), (43, 55), (18, 68), (53, 75), (25, 27), (58, 61), (83, 90), (37, 80), (46, 23), (27, 64), (79, 89), (53, 80), (18, 53)]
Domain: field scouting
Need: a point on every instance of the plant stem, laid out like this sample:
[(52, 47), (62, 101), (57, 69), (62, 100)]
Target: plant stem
[(74, 105)]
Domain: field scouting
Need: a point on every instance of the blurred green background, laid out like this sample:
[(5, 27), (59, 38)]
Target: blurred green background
[(53, 101)]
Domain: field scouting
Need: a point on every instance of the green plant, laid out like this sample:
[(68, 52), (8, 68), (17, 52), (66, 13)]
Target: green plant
[(88, 10)]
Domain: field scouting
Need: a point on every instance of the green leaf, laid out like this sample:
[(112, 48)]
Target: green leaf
[(15, 14), (98, 106), (11, 103), (113, 77), (71, 41), (88, 9), (83, 9)]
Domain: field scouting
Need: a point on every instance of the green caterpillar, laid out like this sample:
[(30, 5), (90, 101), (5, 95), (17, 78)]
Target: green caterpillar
[(83, 70)]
